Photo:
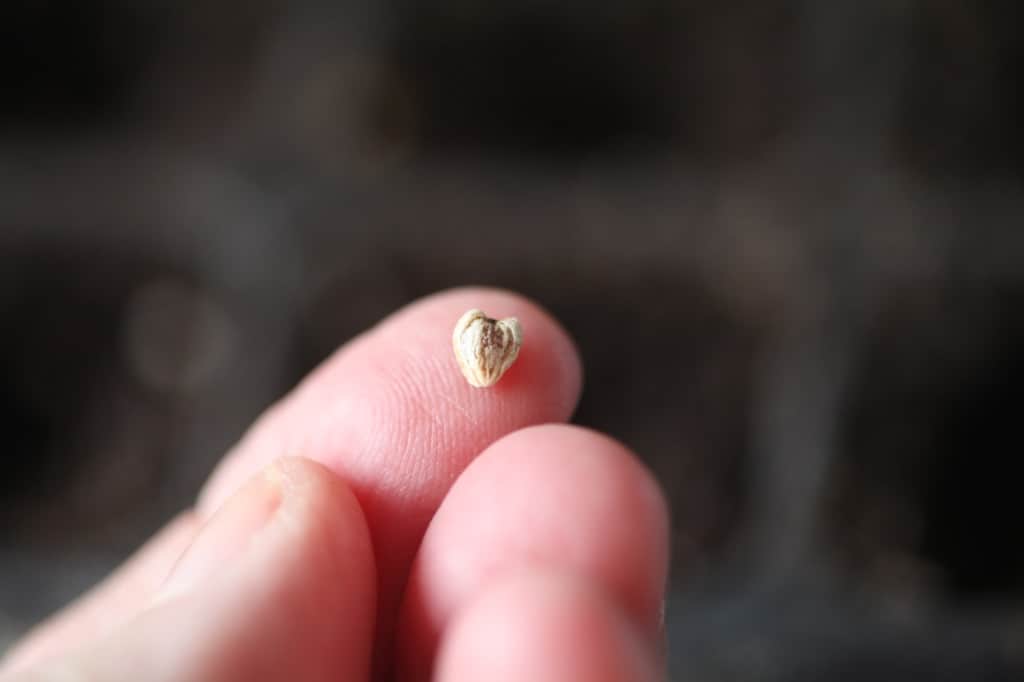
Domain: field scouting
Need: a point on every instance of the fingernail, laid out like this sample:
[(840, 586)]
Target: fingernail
[(226, 534)]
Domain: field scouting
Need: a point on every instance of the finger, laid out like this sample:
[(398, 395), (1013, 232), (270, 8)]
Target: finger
[(541, 626), (110, 603), (556, 496), (543, 386), (393, 415), (278, 585)]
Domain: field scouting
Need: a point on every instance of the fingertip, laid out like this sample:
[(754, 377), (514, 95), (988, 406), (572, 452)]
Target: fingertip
[(552, 495), (396, 392), (587, 453), (543, 625), (309, 487), (548, 365), (280, 585), (568, 495)]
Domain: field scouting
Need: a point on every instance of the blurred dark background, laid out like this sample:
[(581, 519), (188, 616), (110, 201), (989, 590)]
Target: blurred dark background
[(815, 205)]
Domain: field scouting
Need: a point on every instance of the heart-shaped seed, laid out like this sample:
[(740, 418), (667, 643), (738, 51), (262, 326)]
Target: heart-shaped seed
[(485, 348)]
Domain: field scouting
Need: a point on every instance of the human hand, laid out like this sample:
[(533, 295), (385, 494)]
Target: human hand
[(387, 519)]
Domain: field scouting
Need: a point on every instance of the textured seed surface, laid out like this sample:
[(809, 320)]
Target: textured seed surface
[(485, 348)]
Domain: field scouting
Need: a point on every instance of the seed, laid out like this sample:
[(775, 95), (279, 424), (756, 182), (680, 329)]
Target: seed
[(485, 348)]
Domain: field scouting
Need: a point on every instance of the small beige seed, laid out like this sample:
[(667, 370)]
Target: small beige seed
[(485, 348)]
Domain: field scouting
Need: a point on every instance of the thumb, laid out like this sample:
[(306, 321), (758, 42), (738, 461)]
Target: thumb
[(279, 584)]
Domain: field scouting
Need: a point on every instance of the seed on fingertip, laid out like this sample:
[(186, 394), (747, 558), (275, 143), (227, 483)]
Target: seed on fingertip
[(485, 348)]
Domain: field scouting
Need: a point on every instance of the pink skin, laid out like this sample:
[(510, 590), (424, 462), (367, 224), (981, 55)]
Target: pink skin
[(280, 584), (544, 626), (548, 496), (394, 425)]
